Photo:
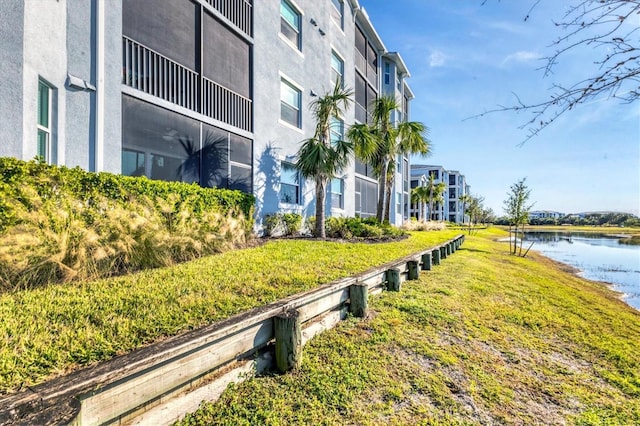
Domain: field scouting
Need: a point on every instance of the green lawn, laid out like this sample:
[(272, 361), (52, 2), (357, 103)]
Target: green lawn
[(49, 331), (484, 338)]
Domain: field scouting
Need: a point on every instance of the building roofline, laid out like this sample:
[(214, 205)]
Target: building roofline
[(424, 166), (407, 90), (363, 19), (397, 59)]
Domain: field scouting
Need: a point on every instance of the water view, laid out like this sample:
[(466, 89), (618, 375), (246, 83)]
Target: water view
[(599, 257)]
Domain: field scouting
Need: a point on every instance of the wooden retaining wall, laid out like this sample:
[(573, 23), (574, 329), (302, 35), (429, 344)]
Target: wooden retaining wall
[(156, 384)]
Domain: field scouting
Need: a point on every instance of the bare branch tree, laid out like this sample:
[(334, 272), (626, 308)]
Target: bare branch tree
[(609, 27)]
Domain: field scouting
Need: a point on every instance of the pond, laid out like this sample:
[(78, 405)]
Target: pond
[(599, 257)]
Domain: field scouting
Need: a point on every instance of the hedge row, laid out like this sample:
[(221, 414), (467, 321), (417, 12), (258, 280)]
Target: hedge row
[(59, 224), (53, 181)]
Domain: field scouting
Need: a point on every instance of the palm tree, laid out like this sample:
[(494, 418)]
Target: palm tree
[(420, 196), (434, 191), (465, 200), (380, 142), (319, 158)]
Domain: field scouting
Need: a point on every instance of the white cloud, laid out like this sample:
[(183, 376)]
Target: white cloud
[(521, 56), (437, 59)]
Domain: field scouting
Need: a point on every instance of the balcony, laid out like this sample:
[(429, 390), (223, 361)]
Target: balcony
[(238, 12), (361, 113), (152, 73)]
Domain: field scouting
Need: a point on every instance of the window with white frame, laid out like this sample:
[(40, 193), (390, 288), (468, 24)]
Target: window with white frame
[(387, 72), (337, 69), (336, 130), (290, 100), (289, 184), (44, 149), (290, 19), (338, 13), (337, 193)]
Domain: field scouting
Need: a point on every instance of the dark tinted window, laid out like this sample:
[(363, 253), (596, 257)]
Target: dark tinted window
[(171, 140)]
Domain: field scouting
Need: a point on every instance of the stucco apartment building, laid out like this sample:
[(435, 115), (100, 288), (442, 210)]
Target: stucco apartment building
[(451, 209), (215, 92)]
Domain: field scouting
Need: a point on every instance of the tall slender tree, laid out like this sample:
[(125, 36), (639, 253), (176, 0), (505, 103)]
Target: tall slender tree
[(319, 158), (420, 196), (465, 200), (434, 190), (380, 142), (517, 209)]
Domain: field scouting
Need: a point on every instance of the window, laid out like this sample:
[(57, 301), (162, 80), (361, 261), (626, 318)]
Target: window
[(289, 184), (44, 122), (452, 206), (434, 173), (399, 202), (338, 13), (337, 130), (366, 197), (337, 193), (337, 69), (290, 23), (452, 193), (387, 72), (399, 81), (133, 163), (290, 99), (452, 180)]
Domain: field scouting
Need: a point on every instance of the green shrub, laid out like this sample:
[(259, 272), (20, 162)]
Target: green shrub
[(59, 224), (355, 227), (287, 224)]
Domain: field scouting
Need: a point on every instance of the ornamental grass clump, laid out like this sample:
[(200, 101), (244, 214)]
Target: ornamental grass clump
[(55, 229)]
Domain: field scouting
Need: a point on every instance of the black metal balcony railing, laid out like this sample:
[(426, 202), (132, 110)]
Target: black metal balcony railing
[(155, 74)]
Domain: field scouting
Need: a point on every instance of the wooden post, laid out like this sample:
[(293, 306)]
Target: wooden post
[(448, 249), (426, 261), (358, 294), (443, 252), (436, 256), (393, 279), (453, 246), (413, 271), (288, 333)]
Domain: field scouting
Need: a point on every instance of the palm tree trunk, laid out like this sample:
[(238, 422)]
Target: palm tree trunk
[(320, 208), (382, 191), (389, 205)]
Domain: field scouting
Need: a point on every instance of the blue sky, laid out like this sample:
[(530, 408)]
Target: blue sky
[(465, 58)]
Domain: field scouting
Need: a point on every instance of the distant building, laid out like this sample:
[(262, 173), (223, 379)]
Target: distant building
[(451, 209), (545, 214)]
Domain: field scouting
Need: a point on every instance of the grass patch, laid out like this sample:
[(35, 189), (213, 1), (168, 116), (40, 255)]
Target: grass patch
[(484, 338), (48, 331)]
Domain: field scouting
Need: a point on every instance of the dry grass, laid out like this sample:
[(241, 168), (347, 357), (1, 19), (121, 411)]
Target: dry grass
[(422, 225), (62, 239)]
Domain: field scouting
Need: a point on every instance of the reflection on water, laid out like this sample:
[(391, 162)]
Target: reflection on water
[(599, 257)]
